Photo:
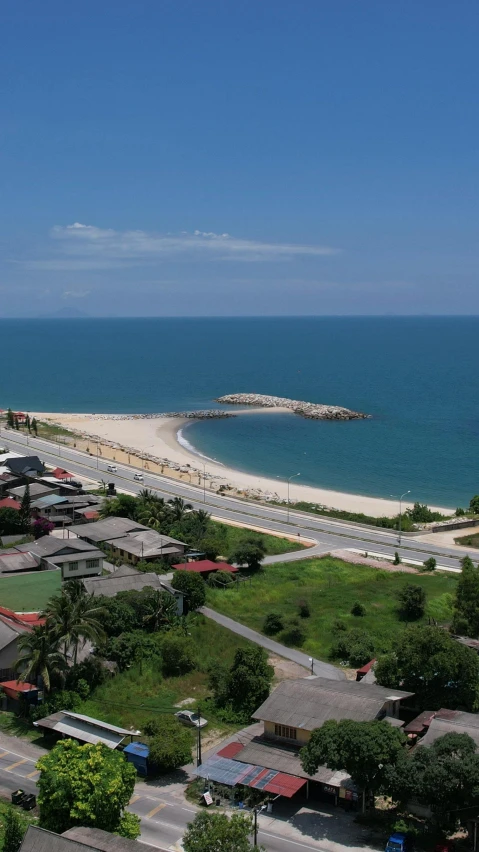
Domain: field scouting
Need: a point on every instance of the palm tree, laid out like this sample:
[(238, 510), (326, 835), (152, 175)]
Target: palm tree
[(155, 515), (74, 617), (179, 508), (39, 657), (162, 610)]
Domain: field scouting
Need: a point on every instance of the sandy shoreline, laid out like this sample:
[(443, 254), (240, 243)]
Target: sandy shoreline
[(156, 439)]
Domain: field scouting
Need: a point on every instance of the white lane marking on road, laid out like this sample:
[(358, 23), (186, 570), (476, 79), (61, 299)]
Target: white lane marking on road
[(190, 810), (293, 842)]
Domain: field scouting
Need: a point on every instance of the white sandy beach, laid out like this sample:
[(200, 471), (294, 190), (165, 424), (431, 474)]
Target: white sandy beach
[(156, 438)]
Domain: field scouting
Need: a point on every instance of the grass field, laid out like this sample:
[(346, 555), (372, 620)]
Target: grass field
[(468, 540), (133, 696), (274, 544), (29, 592), (331, 587)]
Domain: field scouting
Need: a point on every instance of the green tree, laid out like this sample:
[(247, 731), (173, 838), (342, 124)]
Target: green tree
[(249, 551), (397, 558), (10, 419), (169, 742), (474, 504), (430, 564), (358, 609), (39, 657), (466, 605), (354, 645), (248, 682), (132, 648), (443, 777), (161, 609), (273, 623), (26, 510), (178, 654), (13, 831), (179, 508), (35, 426), (412, 601), (192, 587), (28, 423), (363, 749), (10, 522), (122, 506), (216, 832), (87, 785), (429, 663), (72, 617)]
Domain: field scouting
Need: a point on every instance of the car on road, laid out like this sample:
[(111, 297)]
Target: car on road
[(111, 468), (138, 477), (188, 717), (76, 483)]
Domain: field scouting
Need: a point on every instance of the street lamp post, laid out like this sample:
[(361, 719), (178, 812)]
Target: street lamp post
[(256, 811), (204, 481), (311, 660), (289, 482), (401, 498)]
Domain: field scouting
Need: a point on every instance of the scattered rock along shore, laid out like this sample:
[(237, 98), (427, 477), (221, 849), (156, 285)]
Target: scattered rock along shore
[(310, 410)]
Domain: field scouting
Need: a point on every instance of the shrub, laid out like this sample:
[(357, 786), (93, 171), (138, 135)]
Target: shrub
[(169, 743), (221, 579), (429, 564), (459, 512), (178, 653), (192, 587), (397, 558), (273, 623), (412, 601), (304, 609), (338, 626), (355, 646), (360, 653), (294, 633), (358, 609)]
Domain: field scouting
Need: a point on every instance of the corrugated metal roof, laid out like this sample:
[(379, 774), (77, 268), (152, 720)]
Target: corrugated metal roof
[(452, 722), (231, 750), (85, 728), (231, 772)]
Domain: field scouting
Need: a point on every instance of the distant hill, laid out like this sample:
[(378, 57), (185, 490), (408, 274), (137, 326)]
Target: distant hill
[(67, 312)]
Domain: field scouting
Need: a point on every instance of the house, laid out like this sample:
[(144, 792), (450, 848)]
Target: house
[(85, 728), (8, 481), (206, 567), (288, 716), (37, 489), (25, 465), (13, 561), (107, 529), (127, 579), (145, 546), (12, 627), (75, 558), (10, 503), (77, 839), (432, 724)]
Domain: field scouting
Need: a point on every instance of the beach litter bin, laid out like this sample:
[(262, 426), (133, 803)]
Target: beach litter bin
[(29, 801), (17, 797)]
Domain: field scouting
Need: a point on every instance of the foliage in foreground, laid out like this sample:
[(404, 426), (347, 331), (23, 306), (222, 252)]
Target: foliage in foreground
[(242, 688), (14, 830), (428, 662), (466, 609), (169, 742), (215, 832), (87, 785)]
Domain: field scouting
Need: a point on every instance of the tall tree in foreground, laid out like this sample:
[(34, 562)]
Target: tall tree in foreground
[(39, 657), (428, 662), (10, 419), (466, 605), (87, 785), (210, 832), (13, 831), (363, 749), (72, 617), (26, 510)]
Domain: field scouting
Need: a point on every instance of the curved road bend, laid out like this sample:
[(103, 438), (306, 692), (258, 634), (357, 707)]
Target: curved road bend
[(329, 534)]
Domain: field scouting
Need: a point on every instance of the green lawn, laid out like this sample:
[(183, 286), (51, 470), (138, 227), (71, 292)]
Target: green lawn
[(29, 592), (133, 696), (331, 587), (468, 540), (274, 544)]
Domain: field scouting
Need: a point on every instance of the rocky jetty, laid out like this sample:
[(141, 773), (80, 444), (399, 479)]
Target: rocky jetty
[(204, 414), (310, 410)]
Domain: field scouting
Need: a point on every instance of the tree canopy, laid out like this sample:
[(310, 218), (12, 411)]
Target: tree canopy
[(216, 832), (428, 662), (412, 601), (169, 742), (246, 684), (86, 785), (466, 605), (363, 749), (192, 587), (249, 551)]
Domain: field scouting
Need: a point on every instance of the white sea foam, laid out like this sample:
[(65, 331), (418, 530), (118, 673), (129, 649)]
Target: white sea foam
[(191, 449)]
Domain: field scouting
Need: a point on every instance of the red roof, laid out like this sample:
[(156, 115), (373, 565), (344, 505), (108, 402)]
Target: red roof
[(231, 750), (365, 669), (18, 685), (205, 566), (285, 785), (92, 516), (9, 503), (60, 473), (23, 621)]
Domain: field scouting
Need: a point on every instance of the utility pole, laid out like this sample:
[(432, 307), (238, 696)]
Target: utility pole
[(289, 482), (198, 740)]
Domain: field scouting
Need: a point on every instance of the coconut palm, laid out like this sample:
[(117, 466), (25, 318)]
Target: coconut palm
[(74, 617), (162, 610), (39, 657), (156, 515), (179, 508)]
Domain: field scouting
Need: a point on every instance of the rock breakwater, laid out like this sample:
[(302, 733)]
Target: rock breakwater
[(310, 410)]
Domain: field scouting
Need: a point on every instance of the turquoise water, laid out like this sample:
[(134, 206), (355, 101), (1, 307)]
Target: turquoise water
[(416, 376)]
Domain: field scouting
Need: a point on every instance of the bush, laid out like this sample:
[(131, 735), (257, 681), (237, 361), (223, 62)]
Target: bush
[(169, 743), (355, 646), (249, 551), (304, 609), (397, 558), (338, 626), (360, 653), (131, 648), (221, 579), (294, 633), (90, 671), (459, 512), (178, 653), (192, 587), (412, 602), (429, 564), (273, 623), (474, 504), (358, 609)]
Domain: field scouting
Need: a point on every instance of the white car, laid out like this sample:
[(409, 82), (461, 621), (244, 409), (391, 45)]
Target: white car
[(138, 477), (187, 717), (111, 468)]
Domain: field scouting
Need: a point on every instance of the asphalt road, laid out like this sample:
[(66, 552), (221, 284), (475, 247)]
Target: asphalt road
[(163, 812), (329, 535)]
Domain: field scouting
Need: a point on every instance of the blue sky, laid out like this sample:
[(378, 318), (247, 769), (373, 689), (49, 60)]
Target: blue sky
[(239, 158)]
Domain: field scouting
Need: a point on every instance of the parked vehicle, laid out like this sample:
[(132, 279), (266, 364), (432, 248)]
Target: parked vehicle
[(111, 468), (76, 483), (188, 717), (138, 477), (399, 842)]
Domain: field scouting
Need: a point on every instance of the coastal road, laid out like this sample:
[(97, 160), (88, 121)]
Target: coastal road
[(329, 534), (164, 813)]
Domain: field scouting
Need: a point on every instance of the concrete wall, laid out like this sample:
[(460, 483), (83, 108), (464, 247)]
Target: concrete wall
[(302, 737), (81, 570)]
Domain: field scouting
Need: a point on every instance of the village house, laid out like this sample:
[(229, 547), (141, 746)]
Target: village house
[(129, 540), (127, 579)]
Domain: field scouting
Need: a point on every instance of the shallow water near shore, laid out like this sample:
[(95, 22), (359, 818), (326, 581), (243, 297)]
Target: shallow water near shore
[(416, 376)]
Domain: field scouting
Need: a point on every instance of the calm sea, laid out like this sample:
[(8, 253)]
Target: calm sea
[(418, 377)]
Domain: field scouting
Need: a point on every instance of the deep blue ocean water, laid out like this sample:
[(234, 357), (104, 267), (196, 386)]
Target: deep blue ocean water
[(418, 377)]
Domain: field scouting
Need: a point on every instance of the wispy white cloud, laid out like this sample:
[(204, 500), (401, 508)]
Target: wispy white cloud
[(94, 247), (75, 294)]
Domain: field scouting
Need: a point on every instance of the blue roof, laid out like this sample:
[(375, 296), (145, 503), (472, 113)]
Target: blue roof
[(48, 500), (140, 749)]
